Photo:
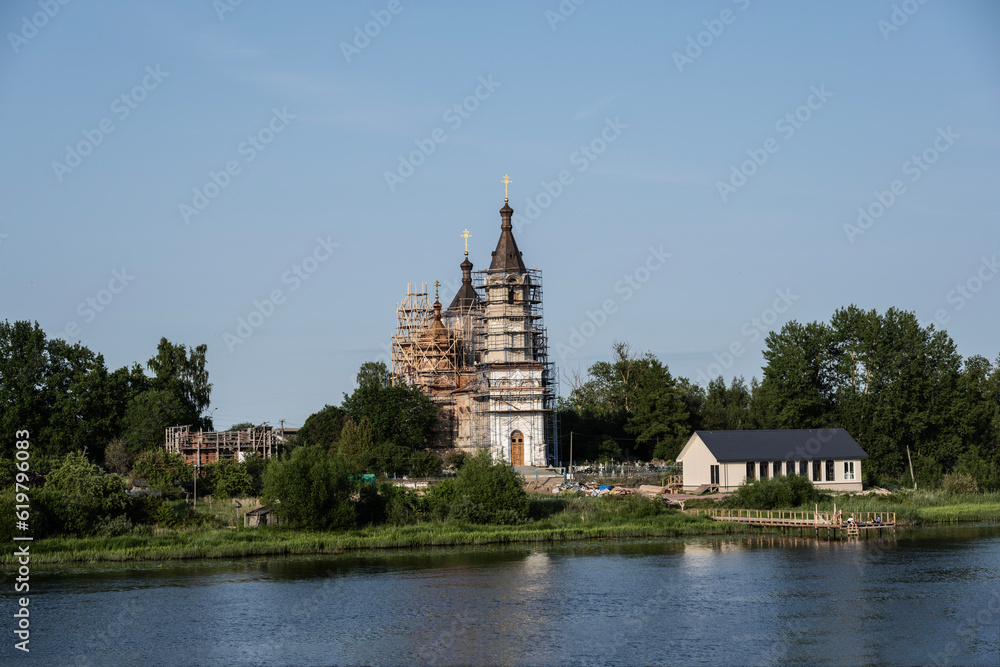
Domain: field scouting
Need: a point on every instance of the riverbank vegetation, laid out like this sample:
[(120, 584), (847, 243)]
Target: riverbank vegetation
[(550, 520), (912, 508)]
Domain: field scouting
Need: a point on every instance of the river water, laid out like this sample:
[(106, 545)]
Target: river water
[(928, 596)]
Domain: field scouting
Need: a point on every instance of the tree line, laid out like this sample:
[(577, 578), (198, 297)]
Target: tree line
[(899, 388), (68, 399)]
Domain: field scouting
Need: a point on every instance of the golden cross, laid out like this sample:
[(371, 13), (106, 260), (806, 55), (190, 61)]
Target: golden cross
[(465, 235), (505, 180), (436, 285)]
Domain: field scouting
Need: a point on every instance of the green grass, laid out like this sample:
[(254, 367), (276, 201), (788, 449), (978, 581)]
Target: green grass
[(554, 520), (918, 508)]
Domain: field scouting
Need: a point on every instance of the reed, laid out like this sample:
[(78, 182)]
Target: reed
[(576, 519)]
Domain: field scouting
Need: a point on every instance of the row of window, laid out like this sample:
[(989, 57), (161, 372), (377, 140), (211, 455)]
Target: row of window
[(765, 469)]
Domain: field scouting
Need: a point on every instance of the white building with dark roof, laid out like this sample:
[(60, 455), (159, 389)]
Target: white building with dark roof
[(831, 458)]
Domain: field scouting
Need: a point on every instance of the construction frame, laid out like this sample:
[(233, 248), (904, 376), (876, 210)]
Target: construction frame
[(203, 447)]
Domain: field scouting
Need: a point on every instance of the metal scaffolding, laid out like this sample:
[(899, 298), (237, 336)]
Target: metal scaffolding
[(429, 351), (514, 376)]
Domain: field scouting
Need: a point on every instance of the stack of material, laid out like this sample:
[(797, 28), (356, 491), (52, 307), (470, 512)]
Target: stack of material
[(651, 491), (592, 489)]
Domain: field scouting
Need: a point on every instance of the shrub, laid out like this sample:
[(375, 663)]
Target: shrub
[(80, 494), (424, 464), (371, 505), (778, 492), (113, 527), (118, 457), (960, 483), (632, 507), (439, 499), (456, 458), (311, 489), (489, 492), (228, 479), (163, 470)]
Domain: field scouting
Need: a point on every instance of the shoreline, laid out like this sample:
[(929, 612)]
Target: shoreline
[(185, 544)]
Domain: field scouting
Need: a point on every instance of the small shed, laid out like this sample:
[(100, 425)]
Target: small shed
[(829, 457), (261, 516)]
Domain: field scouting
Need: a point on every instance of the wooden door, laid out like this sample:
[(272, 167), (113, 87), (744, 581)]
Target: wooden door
[(517, 448)]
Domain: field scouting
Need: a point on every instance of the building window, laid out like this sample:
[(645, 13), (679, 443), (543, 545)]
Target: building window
[(763, 469), (790, 468), (750, 469), (848, 470), (804, 468), (817, 477), (777, 469), (713, 473), (829, 471)]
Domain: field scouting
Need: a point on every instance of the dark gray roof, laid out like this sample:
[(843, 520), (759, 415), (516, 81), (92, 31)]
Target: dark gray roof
[(507, 257), (782, 445), (466, 298)]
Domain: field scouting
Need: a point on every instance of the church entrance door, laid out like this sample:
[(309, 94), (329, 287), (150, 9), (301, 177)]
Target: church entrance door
[(517, 448)]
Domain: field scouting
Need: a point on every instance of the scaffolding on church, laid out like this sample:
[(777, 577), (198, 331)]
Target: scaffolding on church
[(429, 352), (424, 353), (513, 373)]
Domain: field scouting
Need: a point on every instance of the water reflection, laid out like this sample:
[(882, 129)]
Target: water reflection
[(748, 599)]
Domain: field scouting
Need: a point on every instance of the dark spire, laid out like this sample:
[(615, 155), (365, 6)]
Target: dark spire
[(466, 298), (507, 257)]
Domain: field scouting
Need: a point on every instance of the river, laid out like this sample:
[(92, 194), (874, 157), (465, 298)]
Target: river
[(927, 596)]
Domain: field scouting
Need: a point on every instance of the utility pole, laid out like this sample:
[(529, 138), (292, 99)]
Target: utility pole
[(571, 454)]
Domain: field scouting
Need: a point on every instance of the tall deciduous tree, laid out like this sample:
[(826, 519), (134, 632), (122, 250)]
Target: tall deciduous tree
[(400, 415), (61, 393), (181, 371)]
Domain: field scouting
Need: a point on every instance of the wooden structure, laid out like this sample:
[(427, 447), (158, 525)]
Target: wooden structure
[(261, 516), (201, 447), (831, 522), (675, 483), (432, 351)]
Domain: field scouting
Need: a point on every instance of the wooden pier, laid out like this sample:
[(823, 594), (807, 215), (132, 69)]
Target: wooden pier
[(835, 525)]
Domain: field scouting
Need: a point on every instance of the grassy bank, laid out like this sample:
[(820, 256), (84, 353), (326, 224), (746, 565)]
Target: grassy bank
[(554, 520), (920, 508)]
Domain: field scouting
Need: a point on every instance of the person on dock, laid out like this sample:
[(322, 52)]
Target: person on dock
[(840, 517), (850, 519)]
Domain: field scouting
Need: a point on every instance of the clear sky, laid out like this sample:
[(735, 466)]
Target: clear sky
[(168, 168)]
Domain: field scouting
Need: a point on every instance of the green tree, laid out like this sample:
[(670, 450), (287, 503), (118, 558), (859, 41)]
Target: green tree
[(311, 489), (357, 440), (81, 495), (162, 470), (119, 457), (323, 427), (797, 382), (241, 426), (658, 415), (147, 417), (229, 478), (182, 371), (61, 394), (400, 415), (727, 408), (489, 492)]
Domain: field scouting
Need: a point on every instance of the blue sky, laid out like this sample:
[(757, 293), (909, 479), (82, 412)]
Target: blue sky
[(168, 168)]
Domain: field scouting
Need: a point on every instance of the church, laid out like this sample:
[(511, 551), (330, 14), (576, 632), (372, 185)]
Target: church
[(484, 360)]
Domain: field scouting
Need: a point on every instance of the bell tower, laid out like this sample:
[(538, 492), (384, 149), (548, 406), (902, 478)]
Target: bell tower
[(515, 397)]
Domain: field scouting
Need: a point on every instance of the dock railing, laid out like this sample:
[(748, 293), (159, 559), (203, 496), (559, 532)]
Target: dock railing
[(798, 517)]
